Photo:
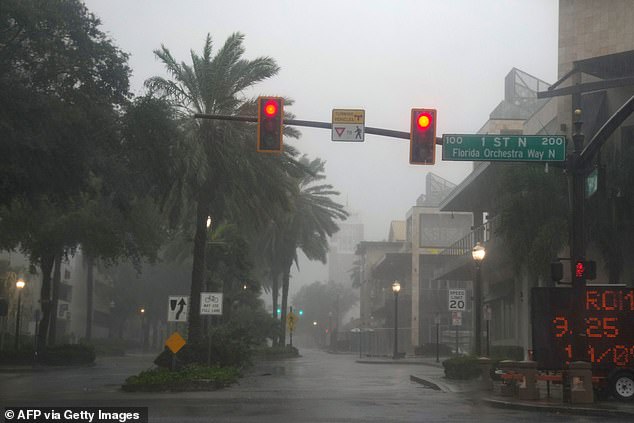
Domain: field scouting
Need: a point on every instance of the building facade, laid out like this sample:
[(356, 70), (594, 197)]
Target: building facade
[(596, 71)]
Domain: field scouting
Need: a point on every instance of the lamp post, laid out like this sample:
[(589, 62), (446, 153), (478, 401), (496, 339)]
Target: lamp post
[(19, 285), (143, 334), (478, 254), (396, 287), (437, 321)]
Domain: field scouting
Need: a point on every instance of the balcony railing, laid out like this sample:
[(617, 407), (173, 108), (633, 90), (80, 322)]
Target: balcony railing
[(458, 254), (464, 245)]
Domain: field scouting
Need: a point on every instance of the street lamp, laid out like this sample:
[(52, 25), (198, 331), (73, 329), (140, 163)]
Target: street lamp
[(478, 254), (143, 331), (19, 285), (396, 287)]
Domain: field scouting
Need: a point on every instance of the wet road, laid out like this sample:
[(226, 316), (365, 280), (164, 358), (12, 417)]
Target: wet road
[(318, 387)]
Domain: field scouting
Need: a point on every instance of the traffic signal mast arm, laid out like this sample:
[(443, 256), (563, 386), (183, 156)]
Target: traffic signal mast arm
[(605, 132), (312, 124)]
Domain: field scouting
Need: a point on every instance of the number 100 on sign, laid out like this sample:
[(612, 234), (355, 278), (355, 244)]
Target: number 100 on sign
[(457, 299)]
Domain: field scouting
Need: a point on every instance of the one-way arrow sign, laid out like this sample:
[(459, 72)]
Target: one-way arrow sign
[(177, 308)]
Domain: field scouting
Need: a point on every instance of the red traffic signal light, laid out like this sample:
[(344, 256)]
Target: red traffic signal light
[(585, 269), (270, 124), (422, 138)]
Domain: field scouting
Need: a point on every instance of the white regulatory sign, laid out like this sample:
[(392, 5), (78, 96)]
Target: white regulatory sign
[(177, 308), (456, 318), (457, 300), (348, 125), (211, 303)]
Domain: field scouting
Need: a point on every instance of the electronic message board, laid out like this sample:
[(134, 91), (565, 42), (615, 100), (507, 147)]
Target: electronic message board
[(608, 326)]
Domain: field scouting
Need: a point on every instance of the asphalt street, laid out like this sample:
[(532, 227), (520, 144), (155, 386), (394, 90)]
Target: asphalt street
[(317, 387)]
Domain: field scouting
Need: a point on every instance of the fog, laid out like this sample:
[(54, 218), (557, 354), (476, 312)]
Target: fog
[(382, 56)]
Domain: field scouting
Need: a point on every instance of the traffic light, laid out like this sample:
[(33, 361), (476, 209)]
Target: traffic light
[(557, 271), (585, 269), (270, 124), (301, 312), (422, 137), (279, 311)]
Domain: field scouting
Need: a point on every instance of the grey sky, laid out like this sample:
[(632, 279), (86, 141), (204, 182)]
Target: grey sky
[(383, 56)]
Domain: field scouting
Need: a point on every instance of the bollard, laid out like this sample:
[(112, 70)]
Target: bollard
[(486, 383), (507, 389), (527, 388), (580, 380)]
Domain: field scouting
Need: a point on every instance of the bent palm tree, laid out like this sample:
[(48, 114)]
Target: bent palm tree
[(307, 226), (222, 174)]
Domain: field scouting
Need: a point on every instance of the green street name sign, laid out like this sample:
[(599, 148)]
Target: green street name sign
[(504, 148)]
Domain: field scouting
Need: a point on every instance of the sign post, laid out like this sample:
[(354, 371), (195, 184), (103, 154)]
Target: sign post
[(291, 320), (210, 305), (456, 320)]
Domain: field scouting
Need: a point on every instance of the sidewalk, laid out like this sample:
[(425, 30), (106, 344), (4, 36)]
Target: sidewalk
[(431, 375)]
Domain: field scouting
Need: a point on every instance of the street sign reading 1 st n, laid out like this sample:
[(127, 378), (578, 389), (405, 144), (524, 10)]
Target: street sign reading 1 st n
[(504, 148)]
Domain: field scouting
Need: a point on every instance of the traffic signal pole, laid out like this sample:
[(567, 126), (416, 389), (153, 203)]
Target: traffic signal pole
[(578, 165), (313, 124)]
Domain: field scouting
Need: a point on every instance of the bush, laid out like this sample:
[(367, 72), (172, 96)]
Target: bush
[(190, 378), (430, 350), (68, 354), (507, 352), (461, 368), (228, 348), (20, 357)]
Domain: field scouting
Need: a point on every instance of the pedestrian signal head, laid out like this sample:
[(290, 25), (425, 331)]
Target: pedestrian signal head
[(422, 145)]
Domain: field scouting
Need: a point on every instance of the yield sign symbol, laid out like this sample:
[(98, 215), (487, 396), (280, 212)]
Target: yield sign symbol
[(340, 131)]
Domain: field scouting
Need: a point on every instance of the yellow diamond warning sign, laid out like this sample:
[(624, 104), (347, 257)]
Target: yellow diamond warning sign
[(175, 342)]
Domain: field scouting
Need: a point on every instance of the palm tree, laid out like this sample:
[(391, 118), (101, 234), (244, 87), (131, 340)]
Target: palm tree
[(307, 226), (223, 176)]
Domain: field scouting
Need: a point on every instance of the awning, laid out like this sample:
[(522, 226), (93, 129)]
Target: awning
[(393, 266), (614, 70)]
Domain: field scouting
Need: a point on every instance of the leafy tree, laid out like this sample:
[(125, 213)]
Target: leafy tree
[(59, 79), (533, 217), (222, 175), (609, 212), (63, 87)]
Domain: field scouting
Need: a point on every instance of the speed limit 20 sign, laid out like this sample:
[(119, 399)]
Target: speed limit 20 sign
[(457, 299)]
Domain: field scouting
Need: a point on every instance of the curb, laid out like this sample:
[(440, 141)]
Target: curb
[(583, 411), (426, 383), (415, 363)]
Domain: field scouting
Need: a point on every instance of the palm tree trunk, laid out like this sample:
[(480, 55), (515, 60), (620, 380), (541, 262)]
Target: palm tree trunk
[(285, 282), (57, 276), (275, 291), (45, 295), (198, 268)]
